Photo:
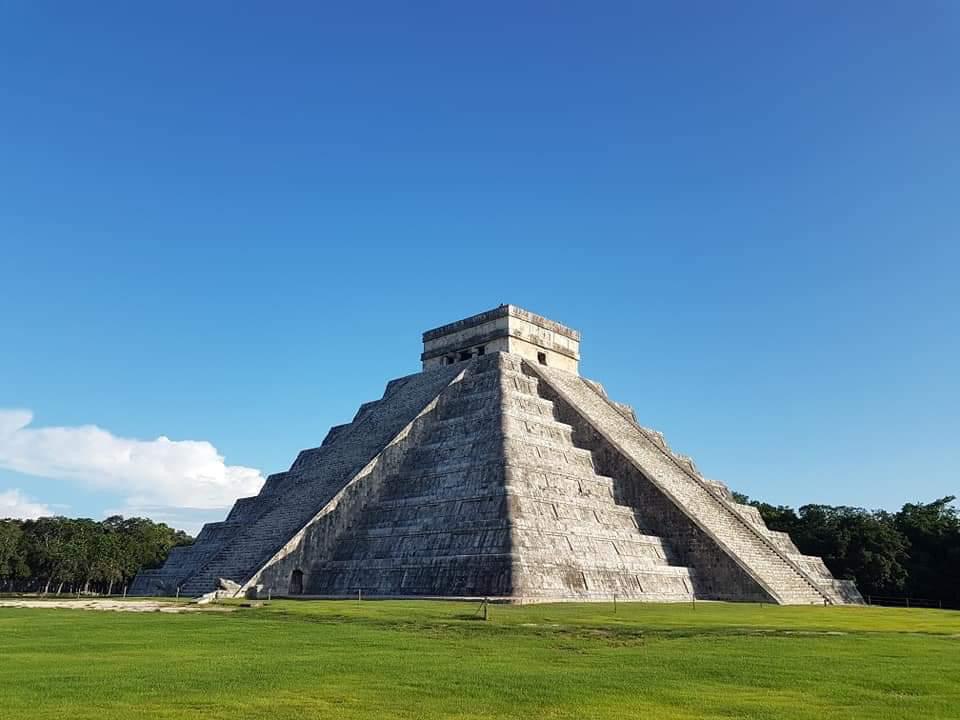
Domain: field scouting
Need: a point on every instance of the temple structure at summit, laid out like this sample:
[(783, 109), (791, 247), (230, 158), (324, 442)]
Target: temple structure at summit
[(496, 471)]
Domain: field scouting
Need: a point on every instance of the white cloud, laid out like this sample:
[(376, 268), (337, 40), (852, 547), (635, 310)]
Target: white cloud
[(146, 473), (14, 504)]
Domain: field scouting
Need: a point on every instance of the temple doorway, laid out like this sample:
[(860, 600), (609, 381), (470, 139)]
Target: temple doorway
[(296, 582)]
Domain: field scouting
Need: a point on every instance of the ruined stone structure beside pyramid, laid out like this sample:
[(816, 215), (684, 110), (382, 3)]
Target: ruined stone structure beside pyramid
[(496, 471)]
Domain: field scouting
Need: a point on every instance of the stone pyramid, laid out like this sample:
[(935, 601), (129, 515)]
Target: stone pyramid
[(497, 471)]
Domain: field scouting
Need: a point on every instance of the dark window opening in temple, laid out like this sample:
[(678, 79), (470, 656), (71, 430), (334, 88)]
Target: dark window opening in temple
[(464, 355), (481, 350), (296, 582), (542, 358)]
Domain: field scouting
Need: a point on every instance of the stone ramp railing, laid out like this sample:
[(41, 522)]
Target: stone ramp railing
[(340, 460), (839, 590), (770, 568), (318, 537)]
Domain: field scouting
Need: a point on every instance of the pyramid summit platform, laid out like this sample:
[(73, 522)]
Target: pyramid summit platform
[(497, 471)]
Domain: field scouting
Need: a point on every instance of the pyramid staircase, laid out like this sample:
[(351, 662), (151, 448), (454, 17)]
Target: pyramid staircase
[(786, 575), (498, 501)]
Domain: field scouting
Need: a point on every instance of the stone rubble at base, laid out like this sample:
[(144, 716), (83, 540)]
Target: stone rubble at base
[(496, 472)]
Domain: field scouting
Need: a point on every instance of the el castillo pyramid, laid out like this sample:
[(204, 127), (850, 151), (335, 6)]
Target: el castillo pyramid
[(496, 471)]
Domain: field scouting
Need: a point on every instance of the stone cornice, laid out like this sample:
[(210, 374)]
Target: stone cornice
[(500, 312)]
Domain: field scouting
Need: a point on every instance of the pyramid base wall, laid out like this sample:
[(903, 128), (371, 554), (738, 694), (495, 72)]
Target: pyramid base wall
[(488, 577), (494, 599)]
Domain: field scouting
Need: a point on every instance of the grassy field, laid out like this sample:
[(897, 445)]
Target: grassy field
[(434, 659)]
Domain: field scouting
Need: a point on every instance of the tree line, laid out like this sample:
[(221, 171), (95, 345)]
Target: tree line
[(914, 552), (58, 554)]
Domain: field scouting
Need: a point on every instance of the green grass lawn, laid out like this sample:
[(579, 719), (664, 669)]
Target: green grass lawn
[(433, 659)]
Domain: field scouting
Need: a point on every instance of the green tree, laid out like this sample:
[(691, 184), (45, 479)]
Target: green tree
[(108, 565), (81, 554), (46, 553), (13, 562), (933, 530)]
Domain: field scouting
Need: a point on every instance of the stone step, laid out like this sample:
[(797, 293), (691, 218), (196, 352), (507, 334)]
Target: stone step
[(502, 421)]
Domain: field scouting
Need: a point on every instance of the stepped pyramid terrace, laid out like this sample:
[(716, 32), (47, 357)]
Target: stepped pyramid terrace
[(496, 471)]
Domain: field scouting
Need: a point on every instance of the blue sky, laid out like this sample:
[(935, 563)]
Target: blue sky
[(229, 224)]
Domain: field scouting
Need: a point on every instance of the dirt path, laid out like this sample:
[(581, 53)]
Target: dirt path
[(114, 605)]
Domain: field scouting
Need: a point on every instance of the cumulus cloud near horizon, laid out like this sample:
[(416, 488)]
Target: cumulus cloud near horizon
[(14, 504), (160, 473)]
